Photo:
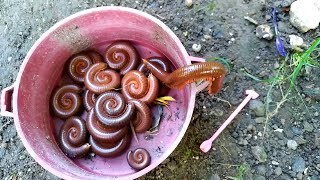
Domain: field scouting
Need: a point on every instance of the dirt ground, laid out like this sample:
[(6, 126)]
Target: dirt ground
[(219, 26)]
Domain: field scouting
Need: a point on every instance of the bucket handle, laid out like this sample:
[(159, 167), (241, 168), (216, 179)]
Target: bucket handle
[(6, 101), (205, 84)]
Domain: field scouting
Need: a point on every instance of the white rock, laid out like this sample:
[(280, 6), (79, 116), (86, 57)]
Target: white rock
[(196, 47), (274, 163), (292, 144), (264, 31), (305, 14), (295, 41), (188, 3)]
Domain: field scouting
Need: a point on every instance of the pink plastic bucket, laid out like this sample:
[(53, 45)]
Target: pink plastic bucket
[(27, 100)]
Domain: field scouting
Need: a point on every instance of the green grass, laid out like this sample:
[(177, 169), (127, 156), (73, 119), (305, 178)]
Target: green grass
[(242, 170), (188, 154), (286, 78), (211, 5)]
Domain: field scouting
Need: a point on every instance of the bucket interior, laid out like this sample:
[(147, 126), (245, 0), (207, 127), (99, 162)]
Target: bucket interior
[(96, 29)]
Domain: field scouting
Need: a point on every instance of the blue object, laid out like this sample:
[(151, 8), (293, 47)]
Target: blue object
[(279, 44)]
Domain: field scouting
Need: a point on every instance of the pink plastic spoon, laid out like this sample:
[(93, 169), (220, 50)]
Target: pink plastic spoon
[(206, 145)]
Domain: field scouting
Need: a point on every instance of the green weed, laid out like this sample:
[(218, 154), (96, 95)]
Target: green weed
[(188, 154), (211, 5), (286, 78), (242, 170)]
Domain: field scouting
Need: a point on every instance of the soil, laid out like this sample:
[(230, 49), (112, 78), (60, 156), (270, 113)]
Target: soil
[(242, 151)]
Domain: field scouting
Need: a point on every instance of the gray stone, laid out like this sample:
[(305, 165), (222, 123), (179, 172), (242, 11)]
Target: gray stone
[(299, 176), (311, 91), (297, 131), (285, 177), (278, 171), (215, 177), (172, 165), (286, 3), (317, 138), (2, 152), (259, 153), (298, 164), (268, 17), (300, 140), (10, 132), (260, 120), (217, 112), (259, 177), (292, 144), (305, 14), (261, 169), (258, 107), (307, 126), (264, 31)]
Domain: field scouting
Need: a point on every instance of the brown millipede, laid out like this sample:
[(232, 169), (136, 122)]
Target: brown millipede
[(78, 64), (135, 85), (73, 138), (142, 121), (112, 109), (98, 79), (102, 133), (157, 61), (110, 149), (66, 101), (89, 99), (209, 71), (121, 55), (139, 158)]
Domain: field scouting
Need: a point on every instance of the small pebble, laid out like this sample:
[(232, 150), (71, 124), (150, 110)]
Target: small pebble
[(258, 107), (188, 3), (299, 176), (316, 114), (268, 17), (259, 177), (278, 171), (249, 127), (274, 163), (185, 34), (207, 36), (196, 47), (259, 153), (217, 112), (215, 177), (261, 169), (307, 126), (245, 142), (276, 65), (292, 144), (260, 120), (250, 20), (264, 31), (298, 164), (295, 41)]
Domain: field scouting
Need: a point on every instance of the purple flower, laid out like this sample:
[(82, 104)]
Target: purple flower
[(279, 44)]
